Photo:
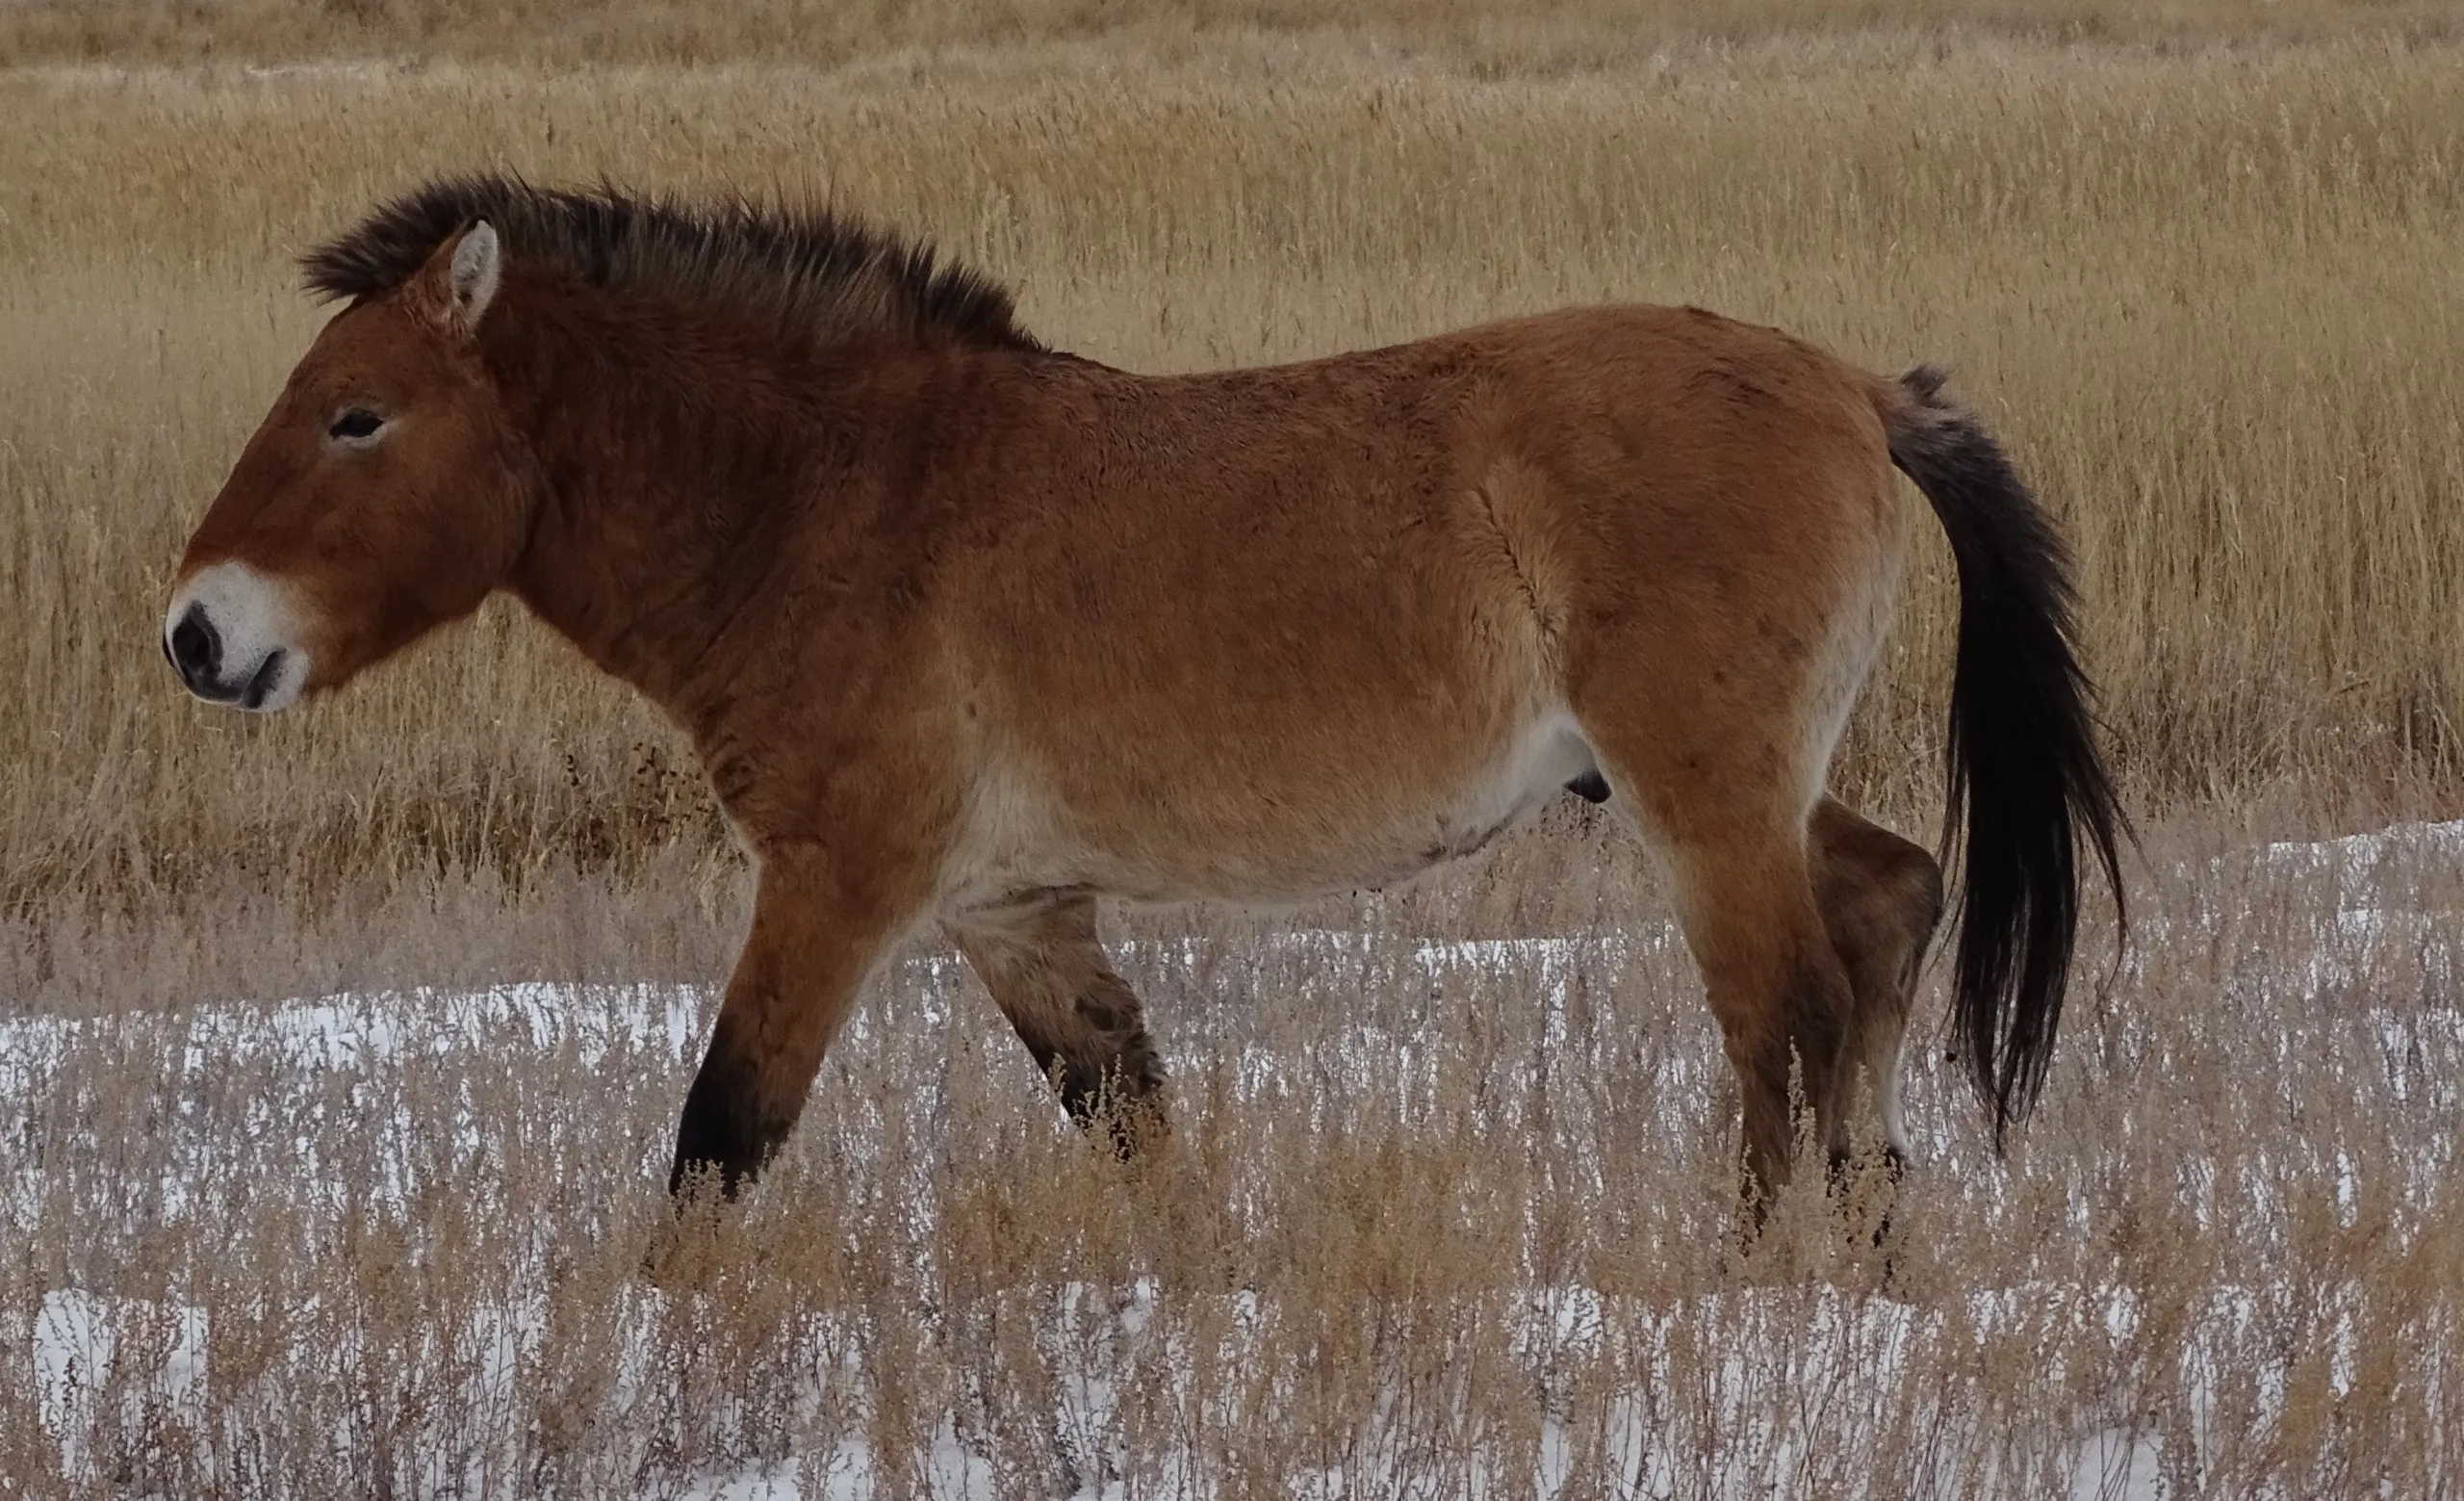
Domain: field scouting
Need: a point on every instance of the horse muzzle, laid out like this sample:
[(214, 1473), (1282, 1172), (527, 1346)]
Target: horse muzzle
[(228, 635)]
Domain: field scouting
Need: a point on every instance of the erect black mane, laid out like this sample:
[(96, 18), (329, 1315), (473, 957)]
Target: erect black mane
[(796, 267)]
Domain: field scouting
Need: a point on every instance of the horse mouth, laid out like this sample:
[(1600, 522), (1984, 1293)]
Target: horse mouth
[(252, 693)]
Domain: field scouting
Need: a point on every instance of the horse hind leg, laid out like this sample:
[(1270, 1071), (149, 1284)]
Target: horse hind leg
[(1882, 899), (1081, 1022), (1746, 903), (1774, 983)]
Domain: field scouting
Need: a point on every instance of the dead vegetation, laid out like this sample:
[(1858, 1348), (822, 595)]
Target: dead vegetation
[(1542, 36), (1442, 1218)]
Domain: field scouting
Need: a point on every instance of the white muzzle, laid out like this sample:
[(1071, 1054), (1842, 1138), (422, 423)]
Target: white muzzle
[(231, 635)]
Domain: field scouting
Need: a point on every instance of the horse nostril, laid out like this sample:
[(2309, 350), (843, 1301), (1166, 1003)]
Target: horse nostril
[(196, 649)]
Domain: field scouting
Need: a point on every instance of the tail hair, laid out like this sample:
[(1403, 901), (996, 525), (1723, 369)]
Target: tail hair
[(2027, 783)]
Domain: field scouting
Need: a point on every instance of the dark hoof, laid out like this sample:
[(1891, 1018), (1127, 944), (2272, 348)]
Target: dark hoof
[(1868, 1186)]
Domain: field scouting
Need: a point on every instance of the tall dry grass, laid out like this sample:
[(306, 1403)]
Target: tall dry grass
[(1540, 35), (2210, 299)]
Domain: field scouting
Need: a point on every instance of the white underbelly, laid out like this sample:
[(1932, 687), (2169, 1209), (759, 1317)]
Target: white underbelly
[(1018, 839)]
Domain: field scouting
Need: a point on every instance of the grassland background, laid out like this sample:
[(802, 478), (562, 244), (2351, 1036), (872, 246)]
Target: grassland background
[(2209, 297), (2197, 263), (1541, 36)]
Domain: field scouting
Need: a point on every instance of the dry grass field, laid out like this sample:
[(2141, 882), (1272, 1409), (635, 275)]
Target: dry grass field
[(1537, 36), (340, 1052), (1445, 1218)]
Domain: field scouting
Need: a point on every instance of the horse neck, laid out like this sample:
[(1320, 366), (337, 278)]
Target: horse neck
[(667, 481)]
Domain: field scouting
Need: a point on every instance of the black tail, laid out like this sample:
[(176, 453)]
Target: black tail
[(2024, 769)]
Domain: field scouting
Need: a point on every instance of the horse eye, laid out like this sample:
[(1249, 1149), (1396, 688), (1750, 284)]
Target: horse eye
[(357, 423)]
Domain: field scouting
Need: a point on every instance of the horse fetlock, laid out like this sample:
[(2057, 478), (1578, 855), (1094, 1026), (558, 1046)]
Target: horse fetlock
[(1117, 1099), (728, 1132)]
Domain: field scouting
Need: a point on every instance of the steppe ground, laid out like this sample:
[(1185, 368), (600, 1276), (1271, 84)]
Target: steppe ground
[(340, 1052)]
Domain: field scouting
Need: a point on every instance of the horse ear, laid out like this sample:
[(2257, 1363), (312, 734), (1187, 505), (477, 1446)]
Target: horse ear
[(460, 279)]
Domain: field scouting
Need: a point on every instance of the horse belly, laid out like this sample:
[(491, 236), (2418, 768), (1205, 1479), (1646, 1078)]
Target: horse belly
[(1532, 766), (1369, 825)]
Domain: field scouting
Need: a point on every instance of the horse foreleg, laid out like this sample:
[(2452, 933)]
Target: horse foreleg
[(1081, 1022), (816, 935)]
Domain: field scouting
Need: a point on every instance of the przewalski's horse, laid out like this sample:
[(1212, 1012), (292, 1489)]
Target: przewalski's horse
[(964, 628)]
